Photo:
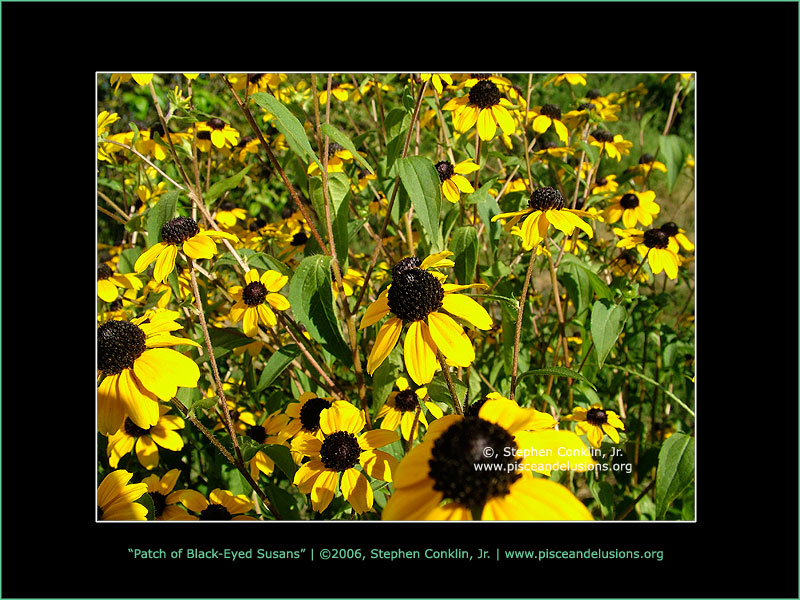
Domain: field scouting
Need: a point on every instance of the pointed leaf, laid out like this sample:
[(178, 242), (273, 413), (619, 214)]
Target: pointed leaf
[(422, 183), (675, 470), (289, 125), (344, 141), (608, 320)]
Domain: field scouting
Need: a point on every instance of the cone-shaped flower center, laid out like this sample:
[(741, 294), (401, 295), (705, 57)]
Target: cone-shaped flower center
[(215, 512), (596, 416), (133, 430), (333, 148), (257, 433), (254, 293), (445, 170), (602, 136), (552, 111), (406, 401), (119, 344), (309, 414), (484, 94), (546, 198), (407, 263), (655, 238), (104, 271), (340, 451), (646, 159), (669, 228), (216, 123), (593, 93), (459, 451), (473, 409), (299, 238), (178, 230), (629, 201), (414, 294)]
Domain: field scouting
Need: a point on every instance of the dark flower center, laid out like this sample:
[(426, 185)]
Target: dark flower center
[(596, 416), (655, 238), (340, 451), (178, 230), (227, 205), (646, 159), (119, 344), (254, 78), (473, 409), (257, 433), (414, 294), (670, 228), (309, 414), (406, 401), (215, 512), (593, 93), (586, 106), (552, 111), (602, 136), (601, 181), (546, 198), (484, 94), (629, 201), (547, 144), (245, 140), (157, 128), (299, 238), (333, 148), (254, 293), (408, 262), (216, 123), (480, 75), (104, 271), (204, 135), (133, 430), (445, 170), (159, 503), (458, 452)]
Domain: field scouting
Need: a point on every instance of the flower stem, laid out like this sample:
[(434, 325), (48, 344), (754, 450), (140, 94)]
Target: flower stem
[(450, 386), (518, 330)]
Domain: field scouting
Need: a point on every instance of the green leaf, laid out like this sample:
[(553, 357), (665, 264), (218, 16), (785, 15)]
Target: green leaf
[(608, 320), (311, 297), (488, 208), (579, 288), (671, 147), (276, 365), (422, 183), (654, 382), (338, 189), (464, 246), (147, 501), (558, 372), (675, 470), (220, 187), (225, 339), (162, 212), (344, 141), (289, 125), (440, 392), (281, 500), (282, 457), (603, 493)]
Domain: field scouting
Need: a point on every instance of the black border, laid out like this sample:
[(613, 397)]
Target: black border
[(745, 541)]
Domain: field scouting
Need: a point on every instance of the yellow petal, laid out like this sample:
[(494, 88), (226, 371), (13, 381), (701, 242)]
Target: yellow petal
[(419, 353), (385, 342), (357, 491), (375, 312), (466, 308), (450, 338), (486, 125), (148, 256)]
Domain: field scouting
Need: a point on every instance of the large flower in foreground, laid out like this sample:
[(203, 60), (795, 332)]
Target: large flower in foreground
[(333, 457), (416, 298), (654, 244), (146, 441), (546, 116), (546, 207), (595, 422), (677, 237), (253, 301), (481, 467), (633, 208), (116, 499), (138, 369), (180, 231), (485, 106), (164, 501)]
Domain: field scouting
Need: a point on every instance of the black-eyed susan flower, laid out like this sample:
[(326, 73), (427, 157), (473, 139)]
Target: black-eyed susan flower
[(104, 121), (607, 184), (335, 454), (654, 244), (219, 133), (138, 369), (338, 156), (570, 78), (626, 264), (181, 231), (146, 441), (303, 416), (419, 299), (437, 80), (140, 78), (546, 116), (677, 237), (116, 498), (340, 91), (633, 208), (485, 106), (221, 505), (545, 207), (401, 407), (265, 432), (615, 146), (647, 164), (352, 279), (595, 422), (453, 180), (253, 301), (109, 282), (481, 467), (229, 213), (165, 504)]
